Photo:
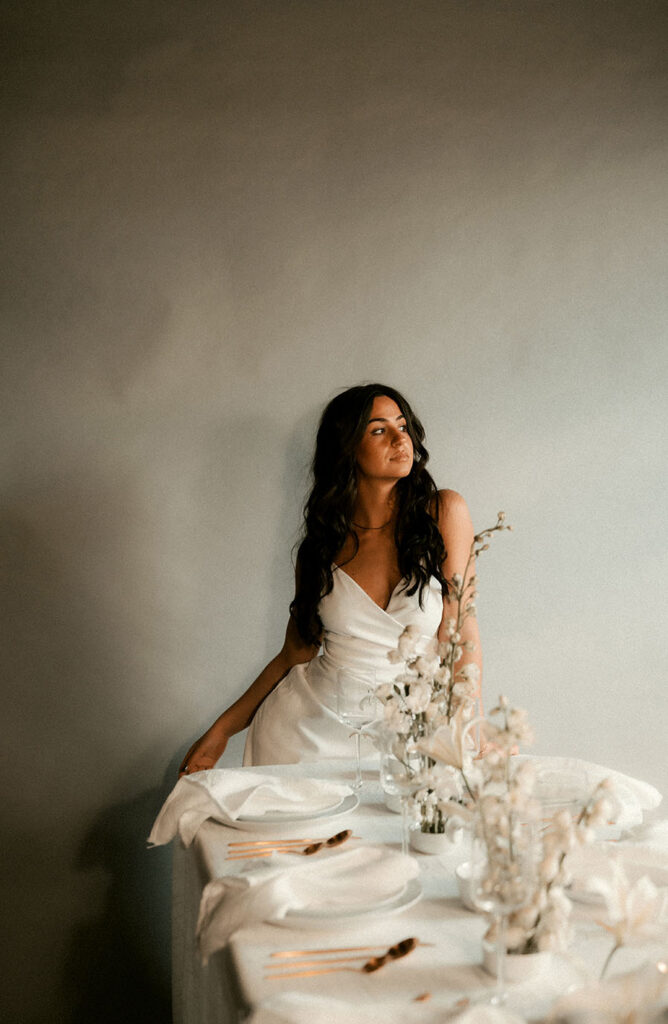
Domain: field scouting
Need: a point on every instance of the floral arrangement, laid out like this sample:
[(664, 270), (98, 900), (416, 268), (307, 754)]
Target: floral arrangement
[(543, 924), (635, 914), (434, 689), (428, 725), (498, 793)]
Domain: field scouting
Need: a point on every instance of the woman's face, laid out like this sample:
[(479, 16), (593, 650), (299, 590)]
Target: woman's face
[(386, 450)]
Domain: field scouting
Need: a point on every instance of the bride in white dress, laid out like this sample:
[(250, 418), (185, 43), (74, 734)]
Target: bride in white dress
[(379, 543)]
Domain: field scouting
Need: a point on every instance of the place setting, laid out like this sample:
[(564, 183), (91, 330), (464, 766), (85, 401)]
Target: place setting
[(291, 867), (252, 802), (346, 886)]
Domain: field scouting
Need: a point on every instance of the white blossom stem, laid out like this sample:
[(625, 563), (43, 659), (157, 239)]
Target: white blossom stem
[(609, 957)]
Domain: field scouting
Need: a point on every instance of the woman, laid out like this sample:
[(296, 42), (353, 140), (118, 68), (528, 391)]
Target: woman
[(379, 544)]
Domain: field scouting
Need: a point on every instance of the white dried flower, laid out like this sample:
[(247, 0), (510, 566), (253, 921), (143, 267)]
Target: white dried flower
[(560, 902), (433, 711), (636, 912), (406, 646), (418, 697), (519, 728), (442, 675), (586, 835), (469, 672), (426, 666), (524, 776), (599, 812), (397, 720)]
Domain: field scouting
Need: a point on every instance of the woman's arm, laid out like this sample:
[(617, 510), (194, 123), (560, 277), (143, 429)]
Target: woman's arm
[(457, 531), (208, 748)]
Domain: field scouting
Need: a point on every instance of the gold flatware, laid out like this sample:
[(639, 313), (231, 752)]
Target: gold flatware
[(286, 953), (290, 846), (333, 949), (320, 962), (374, 963), (279, 842)]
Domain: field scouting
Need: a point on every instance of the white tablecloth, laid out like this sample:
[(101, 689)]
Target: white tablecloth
[(233, 984)]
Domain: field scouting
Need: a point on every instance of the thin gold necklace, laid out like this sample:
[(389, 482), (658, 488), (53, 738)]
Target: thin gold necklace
[(381, 527)]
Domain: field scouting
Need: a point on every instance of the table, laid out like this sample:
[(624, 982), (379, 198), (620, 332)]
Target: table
[(232, 985)]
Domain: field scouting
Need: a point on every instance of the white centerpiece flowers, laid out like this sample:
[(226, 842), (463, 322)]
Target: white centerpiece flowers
[(436, 686), (497, 791)]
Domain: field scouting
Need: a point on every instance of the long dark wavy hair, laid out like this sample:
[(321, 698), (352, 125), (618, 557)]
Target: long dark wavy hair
[(329, 507)]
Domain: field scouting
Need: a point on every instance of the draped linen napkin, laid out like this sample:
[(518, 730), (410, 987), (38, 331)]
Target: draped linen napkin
[(304, 1008), (642, 850), (226, 795), (630, 797), (332, 880)]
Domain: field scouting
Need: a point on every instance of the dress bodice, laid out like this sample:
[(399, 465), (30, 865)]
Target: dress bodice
[(358, 633), (297, 721)]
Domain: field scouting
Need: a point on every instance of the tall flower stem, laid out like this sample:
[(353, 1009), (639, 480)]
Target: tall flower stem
[(609, 957)]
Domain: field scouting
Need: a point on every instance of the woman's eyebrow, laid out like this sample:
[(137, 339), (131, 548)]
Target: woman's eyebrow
[(383, 419)]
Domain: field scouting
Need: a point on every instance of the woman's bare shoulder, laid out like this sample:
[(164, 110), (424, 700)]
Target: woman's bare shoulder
[(451, 505), (454, 518)]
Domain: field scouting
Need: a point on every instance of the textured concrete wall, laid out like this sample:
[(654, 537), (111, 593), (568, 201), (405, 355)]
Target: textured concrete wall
[(217, 214)]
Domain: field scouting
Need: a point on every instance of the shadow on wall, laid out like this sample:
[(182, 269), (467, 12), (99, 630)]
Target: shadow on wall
[(87, 903), (115, 970)]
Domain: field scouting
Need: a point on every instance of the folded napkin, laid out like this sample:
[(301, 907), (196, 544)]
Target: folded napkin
[(631, 797), (227, 795), (333, 880), (304, 1008), (641, 851)]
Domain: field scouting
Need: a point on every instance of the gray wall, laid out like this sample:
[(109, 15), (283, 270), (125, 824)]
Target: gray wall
[(216, 216)]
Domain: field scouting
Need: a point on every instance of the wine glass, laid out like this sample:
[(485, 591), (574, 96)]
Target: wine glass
[(503, 879), (397, 779), (356, 707)]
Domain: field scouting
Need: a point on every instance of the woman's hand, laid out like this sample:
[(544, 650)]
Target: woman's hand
[(204, 752)]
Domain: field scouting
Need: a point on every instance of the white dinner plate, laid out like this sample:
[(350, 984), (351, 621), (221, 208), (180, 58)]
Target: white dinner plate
[(322, 918), (256, 823)]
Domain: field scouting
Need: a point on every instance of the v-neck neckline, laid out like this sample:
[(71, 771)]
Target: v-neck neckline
[(368, 596)]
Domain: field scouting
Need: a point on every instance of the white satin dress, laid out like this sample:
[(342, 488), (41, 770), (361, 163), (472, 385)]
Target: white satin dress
[(297, 721)]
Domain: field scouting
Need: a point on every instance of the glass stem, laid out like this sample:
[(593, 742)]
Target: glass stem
[(404, 825), (358, 777), (500, 993)]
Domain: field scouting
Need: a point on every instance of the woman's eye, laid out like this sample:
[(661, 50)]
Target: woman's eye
[(378, 430)]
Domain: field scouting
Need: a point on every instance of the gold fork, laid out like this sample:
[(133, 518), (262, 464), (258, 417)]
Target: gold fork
[(374, 963), (288, 846)]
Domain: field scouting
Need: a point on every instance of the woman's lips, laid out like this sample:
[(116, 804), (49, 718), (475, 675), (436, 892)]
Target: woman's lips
[(400, 457)]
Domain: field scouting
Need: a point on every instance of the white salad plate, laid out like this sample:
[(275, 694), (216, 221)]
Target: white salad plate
[(321, 918), (257, 823)]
